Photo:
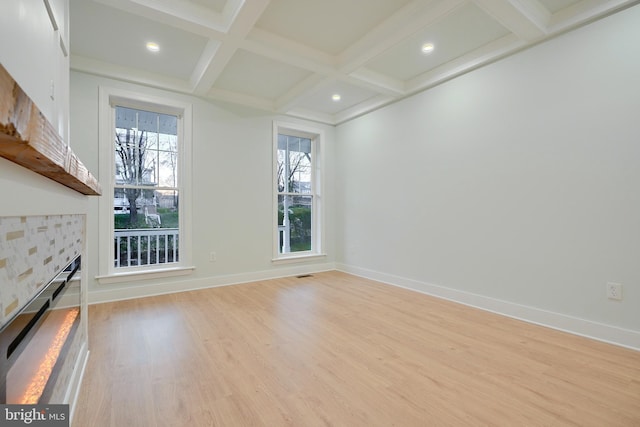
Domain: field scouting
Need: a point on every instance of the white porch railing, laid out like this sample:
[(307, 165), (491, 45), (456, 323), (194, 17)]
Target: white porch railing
[(145, 246)]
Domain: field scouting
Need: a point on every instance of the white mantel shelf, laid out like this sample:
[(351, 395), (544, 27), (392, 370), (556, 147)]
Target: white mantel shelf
[(28, 139)]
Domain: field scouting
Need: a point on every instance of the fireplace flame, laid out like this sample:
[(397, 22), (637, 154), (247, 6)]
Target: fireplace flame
[(39, 380)]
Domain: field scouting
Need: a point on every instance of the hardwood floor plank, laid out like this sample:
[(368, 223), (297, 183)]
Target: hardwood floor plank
[(338, 350)]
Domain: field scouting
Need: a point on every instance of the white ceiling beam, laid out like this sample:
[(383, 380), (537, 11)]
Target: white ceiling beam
[(204, 63), (180, 14), (284, 50), (231, 10), (244, 21), (212, 62), (401, 25), (527, 19)]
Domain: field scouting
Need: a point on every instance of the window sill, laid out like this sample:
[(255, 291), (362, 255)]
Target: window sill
[(298, 258), (130, 276)]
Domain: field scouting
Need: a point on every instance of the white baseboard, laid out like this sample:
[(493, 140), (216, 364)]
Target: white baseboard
[(139, 291), (73, 392), (586, 328)]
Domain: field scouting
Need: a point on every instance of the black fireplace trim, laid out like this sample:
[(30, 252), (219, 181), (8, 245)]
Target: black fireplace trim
[(74, 265), (23, 333)]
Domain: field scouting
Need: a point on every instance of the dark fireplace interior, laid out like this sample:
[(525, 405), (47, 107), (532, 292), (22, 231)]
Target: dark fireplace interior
[(33, 344)]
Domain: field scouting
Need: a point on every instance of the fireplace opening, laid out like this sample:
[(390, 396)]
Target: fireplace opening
[(34, 343)]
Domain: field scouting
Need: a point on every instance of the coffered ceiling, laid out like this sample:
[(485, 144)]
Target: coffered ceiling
[(291, 56)]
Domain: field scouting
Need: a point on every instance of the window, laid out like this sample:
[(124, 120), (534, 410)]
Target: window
[(145, 146), (297, 196), (146, 194)]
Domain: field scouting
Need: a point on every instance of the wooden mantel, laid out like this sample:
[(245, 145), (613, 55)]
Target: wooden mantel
[(28, 139)]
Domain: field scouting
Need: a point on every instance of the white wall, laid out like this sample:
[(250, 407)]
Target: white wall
[(519, 181), (26, 193), (32, 52), (232, 192)]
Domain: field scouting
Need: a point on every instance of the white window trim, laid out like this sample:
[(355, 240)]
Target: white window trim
[(145, 275), (317, 218), (107, 99)]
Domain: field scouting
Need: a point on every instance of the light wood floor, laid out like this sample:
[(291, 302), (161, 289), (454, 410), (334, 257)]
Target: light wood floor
[(337, 350)]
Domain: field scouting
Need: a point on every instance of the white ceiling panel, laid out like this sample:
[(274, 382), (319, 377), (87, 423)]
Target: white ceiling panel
[(289, 56), (327, 25), (251, 74), (405, 60), (321, 100), (119, 38)]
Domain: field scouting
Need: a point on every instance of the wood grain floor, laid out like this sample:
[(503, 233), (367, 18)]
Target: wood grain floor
[(337, 350)]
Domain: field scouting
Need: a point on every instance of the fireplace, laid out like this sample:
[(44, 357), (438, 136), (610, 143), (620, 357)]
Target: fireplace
[(35, 342)]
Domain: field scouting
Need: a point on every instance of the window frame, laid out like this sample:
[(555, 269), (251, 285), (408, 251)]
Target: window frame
[(317, 212), (108, 99)]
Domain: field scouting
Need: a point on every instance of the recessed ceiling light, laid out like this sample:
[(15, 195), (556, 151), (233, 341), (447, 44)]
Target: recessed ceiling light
[(336, 97), (427, 48), (153, 47)]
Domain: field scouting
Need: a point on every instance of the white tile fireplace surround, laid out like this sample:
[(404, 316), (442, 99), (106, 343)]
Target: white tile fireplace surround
[(33, 250)]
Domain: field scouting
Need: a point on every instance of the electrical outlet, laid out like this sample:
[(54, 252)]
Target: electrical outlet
[(212, 257), (614, 291)]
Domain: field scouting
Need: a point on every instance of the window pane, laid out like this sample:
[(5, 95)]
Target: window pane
[(147, 121), (152, 140), (150, 171), (126, 118), (125, 214), (282, 182), (294, 223), (120, 207), (130, 153), (300, 172), (168, 199), (168, 142), (294, 164), (168, 169), (167, 125), (146, 219)]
